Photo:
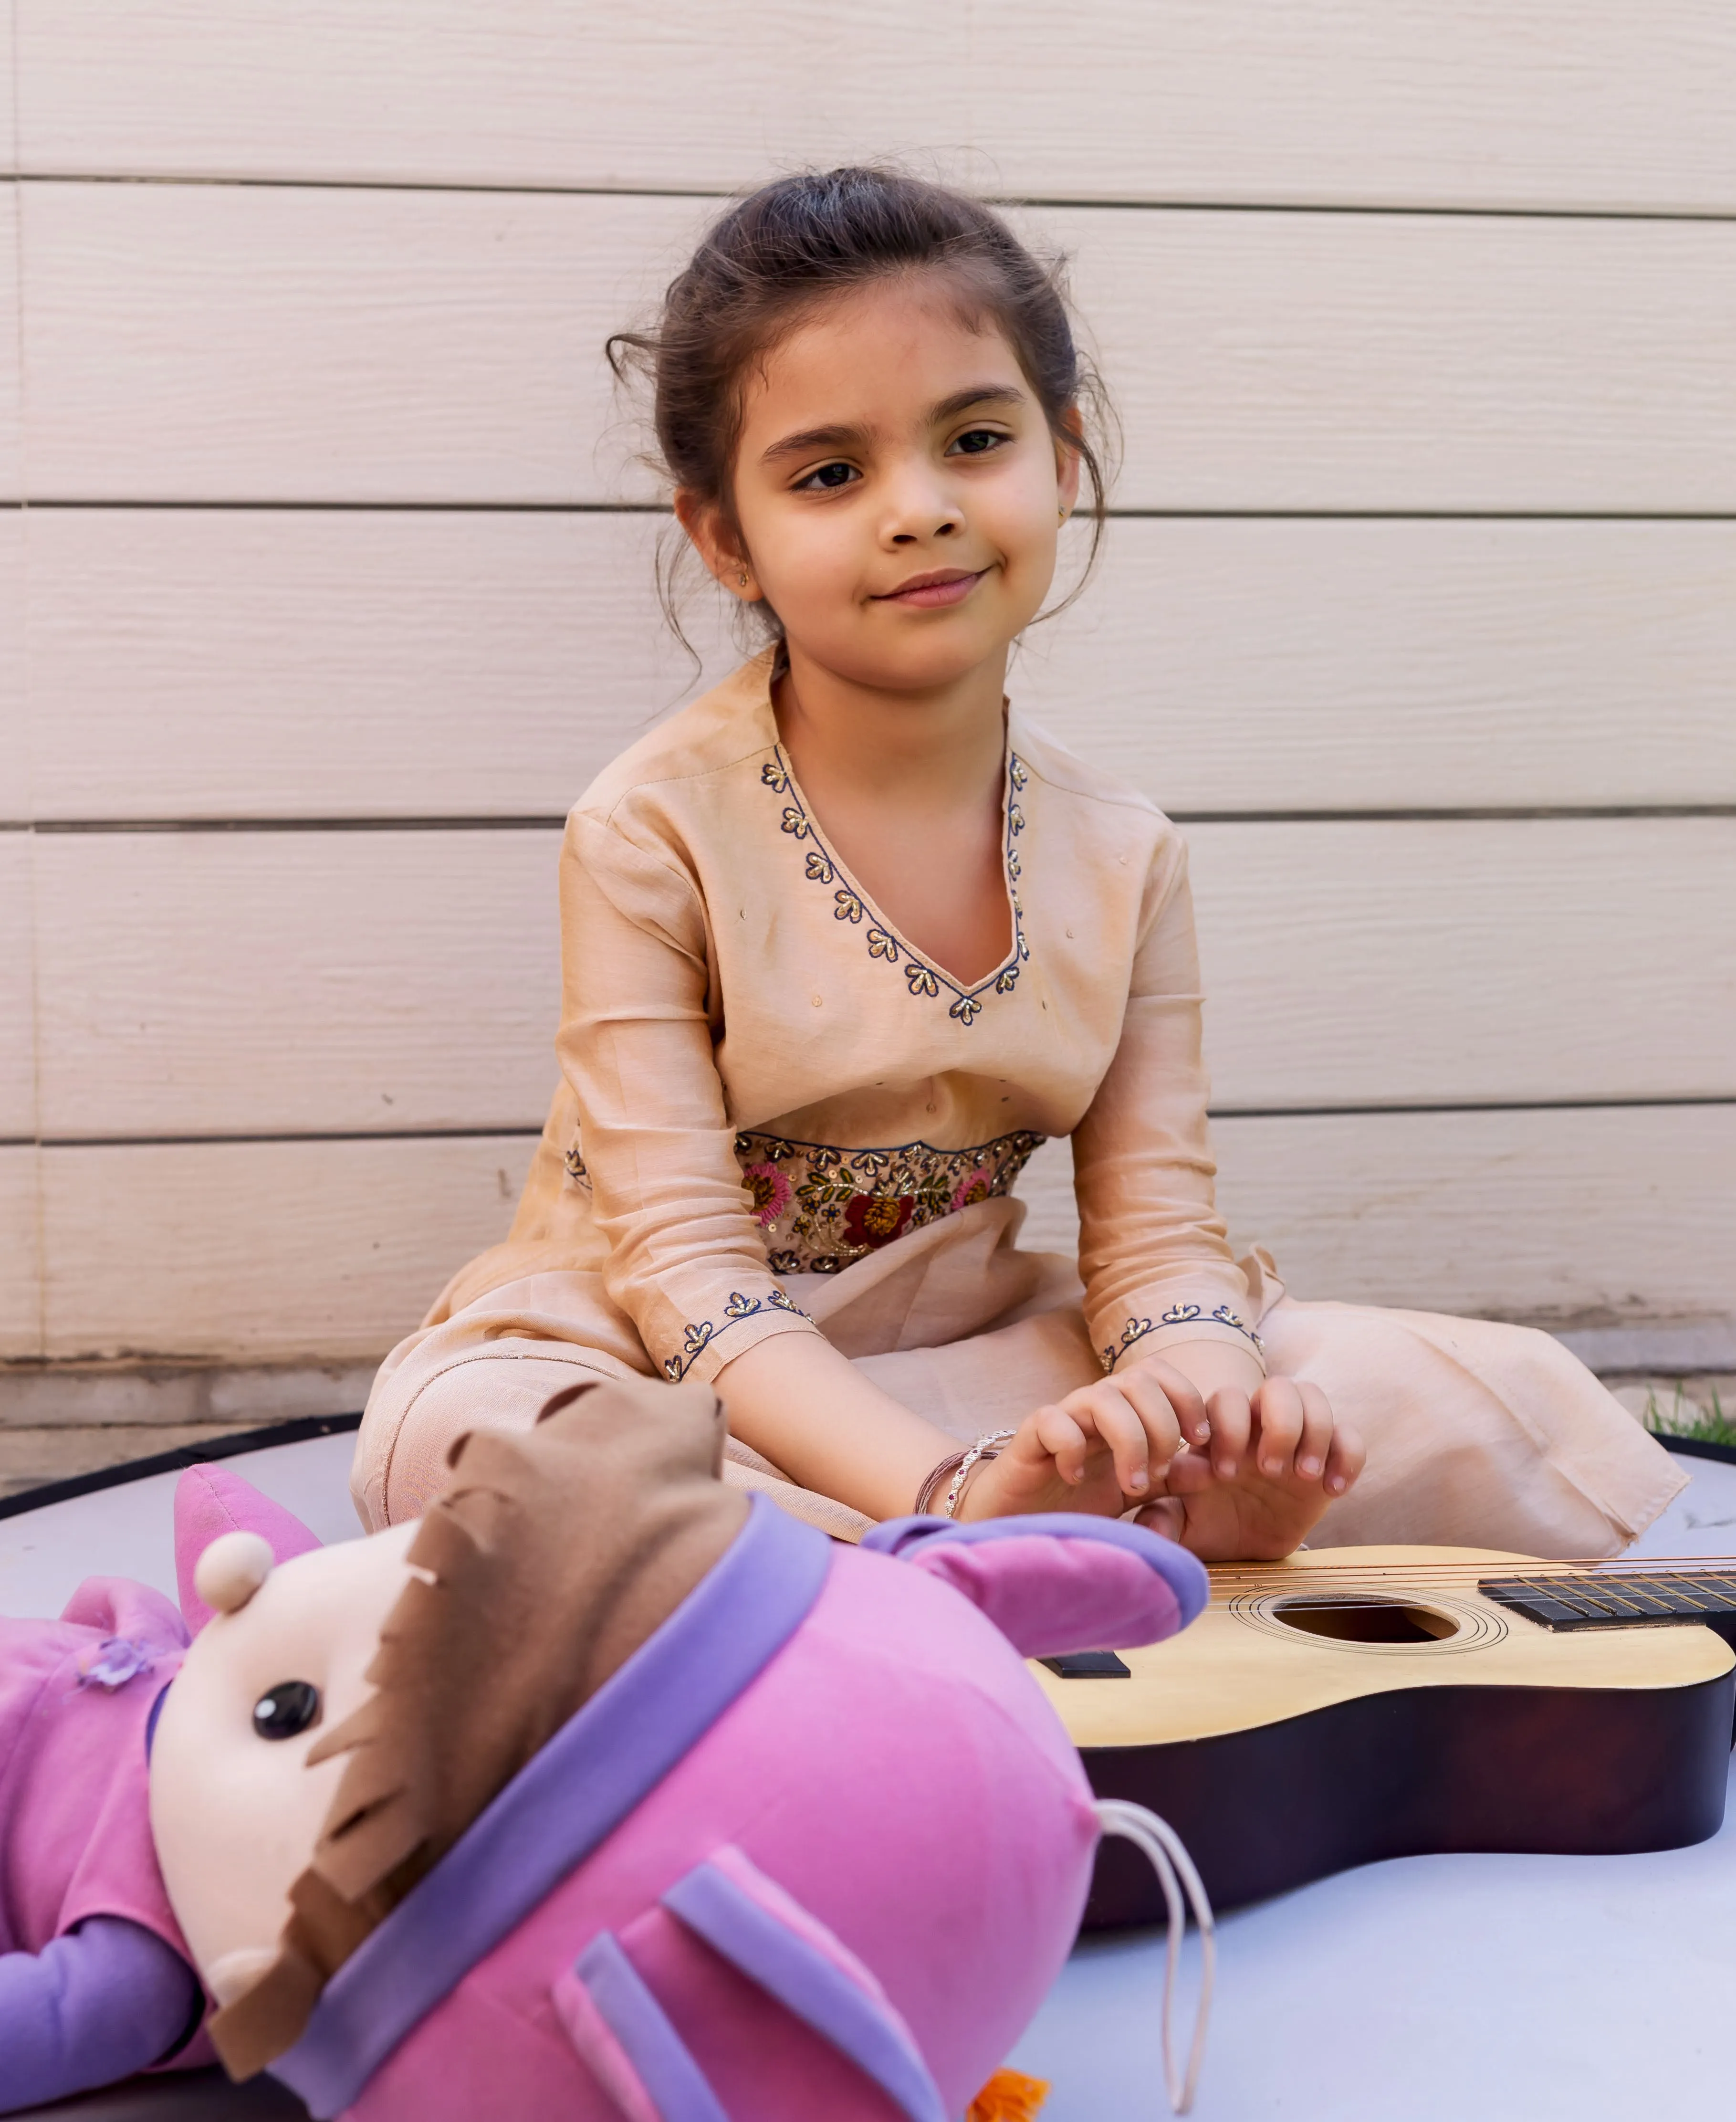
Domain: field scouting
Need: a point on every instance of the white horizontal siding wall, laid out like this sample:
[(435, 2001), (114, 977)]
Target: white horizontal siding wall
[(1578, 104), (325, 586), (211, 342), (293, 982), (219, 664)]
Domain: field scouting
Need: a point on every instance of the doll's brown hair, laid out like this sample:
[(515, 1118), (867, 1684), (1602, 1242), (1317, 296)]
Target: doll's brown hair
[(765, 266), (540, 1568)]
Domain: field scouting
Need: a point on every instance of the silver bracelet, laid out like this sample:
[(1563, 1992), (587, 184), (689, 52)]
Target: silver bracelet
[(923, 1506), (986, 1447)]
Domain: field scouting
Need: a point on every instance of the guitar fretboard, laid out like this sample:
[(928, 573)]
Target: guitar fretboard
[(1590, 1601)]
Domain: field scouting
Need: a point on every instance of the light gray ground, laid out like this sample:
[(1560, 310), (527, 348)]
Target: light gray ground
[(1429, 1989), (1440, 1988)]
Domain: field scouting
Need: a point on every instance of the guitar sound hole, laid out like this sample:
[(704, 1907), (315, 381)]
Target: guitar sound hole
[(1365, 1620)]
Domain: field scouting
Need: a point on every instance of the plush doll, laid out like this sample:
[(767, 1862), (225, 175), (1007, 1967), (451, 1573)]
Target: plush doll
[(603, 1790)]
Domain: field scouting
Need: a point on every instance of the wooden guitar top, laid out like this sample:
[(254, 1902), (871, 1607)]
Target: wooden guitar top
[(1240, 1665)]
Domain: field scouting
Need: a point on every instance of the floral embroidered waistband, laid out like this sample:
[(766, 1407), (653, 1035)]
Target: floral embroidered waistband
[(822, 1208)]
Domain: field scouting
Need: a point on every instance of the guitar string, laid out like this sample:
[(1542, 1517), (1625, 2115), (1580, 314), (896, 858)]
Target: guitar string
[(1614, 1620), (1359, 1581), (1609, 1569), (1721, 1598), (1429, 1598)]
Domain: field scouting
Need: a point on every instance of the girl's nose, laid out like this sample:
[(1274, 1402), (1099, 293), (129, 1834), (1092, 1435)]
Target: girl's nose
[(945, 524)]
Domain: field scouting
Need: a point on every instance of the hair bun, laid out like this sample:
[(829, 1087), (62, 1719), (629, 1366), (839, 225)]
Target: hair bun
[(232, 1569)]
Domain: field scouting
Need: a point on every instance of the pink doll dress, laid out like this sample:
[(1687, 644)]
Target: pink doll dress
[(819, 1847), (95, 1978), (76, 1696)]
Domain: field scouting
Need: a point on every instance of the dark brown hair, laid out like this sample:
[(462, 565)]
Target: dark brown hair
[(762, 269)]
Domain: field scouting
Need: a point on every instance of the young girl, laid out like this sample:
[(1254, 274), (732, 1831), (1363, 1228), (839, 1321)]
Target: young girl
[(847, 939)]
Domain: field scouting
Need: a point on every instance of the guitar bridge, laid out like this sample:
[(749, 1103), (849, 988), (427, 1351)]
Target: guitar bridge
[(1087, 1665)]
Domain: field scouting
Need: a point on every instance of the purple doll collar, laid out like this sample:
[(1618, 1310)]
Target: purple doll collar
[(597, 1768)]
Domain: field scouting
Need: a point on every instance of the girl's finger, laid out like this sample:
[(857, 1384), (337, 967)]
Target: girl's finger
[(1188, 1474), (1344, 1461), (1148, 1392), (1186, 1402), (1164, 1516), (1106, 1410), (1317, 1431), (1061, 1438), (1232, 1419), (1278, 1405)]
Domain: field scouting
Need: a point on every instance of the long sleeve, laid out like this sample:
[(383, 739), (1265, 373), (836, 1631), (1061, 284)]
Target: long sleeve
[(687, 1260), (1152, 1250), (106, 2000)]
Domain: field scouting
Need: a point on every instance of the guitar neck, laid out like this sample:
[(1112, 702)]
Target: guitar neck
[(1582, 1599)]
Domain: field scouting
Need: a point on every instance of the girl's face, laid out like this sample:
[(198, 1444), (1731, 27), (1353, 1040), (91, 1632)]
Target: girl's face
[(899, 490)]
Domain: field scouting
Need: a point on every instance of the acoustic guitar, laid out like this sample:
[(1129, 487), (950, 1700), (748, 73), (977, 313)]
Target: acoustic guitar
[(1355, 1703)]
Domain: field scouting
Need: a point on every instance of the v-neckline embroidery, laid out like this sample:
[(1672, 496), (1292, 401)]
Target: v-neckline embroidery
[(852, 904)]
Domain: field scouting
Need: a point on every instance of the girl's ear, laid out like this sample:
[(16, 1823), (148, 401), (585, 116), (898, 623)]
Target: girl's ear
[(715, 541), (1068, 462)]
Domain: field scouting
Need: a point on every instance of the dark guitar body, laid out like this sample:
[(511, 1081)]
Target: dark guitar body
[(1556, 1771)]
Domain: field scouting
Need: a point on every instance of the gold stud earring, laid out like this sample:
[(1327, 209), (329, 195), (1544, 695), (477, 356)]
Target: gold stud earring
[(1062, 516), (743, 578)]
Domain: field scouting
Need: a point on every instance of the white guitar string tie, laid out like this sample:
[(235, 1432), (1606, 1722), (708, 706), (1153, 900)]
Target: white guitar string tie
[(1167, 1857)]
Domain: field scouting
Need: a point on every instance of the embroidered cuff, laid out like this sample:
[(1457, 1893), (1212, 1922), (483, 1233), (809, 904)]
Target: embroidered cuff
[(1149, 1333), (737, 1324)]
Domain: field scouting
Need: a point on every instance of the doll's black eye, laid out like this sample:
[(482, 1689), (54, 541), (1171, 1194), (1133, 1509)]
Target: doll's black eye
[(290, 1708)]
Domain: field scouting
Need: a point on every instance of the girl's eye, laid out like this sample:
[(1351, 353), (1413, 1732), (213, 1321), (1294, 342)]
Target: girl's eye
[(828, 477), (978, 441), (287, 1709)]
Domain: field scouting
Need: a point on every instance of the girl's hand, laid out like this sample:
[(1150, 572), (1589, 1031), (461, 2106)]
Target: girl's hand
[(1104, 1448), (1272, 1462), (1242, 1477)]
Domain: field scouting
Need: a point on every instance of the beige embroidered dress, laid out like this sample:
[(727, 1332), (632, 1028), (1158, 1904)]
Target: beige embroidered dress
[(777, 1116)]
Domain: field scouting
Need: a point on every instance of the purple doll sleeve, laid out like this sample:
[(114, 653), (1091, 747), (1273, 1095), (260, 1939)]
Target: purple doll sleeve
[(96, 2005), (1058, 1582)]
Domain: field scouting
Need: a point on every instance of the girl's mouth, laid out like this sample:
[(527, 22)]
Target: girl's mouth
[(944, 585)]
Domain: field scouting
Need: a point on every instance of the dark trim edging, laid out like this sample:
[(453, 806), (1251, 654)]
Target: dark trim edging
[(299, 1431), (1696, 1447), (310, 1426)]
